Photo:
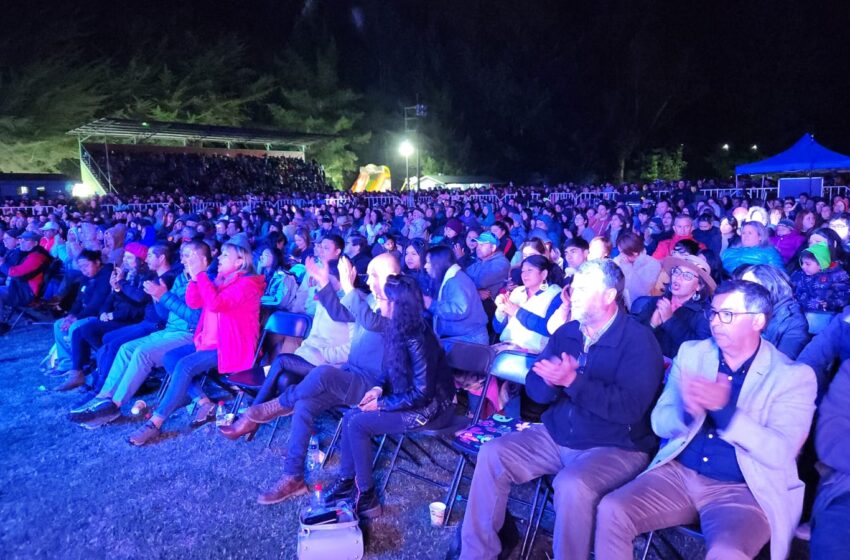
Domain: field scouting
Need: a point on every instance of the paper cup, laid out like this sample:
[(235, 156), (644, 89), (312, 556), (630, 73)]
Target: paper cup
[(438, 513)]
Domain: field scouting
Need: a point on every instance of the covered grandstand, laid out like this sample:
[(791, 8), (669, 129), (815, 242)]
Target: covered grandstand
[(100, 140)]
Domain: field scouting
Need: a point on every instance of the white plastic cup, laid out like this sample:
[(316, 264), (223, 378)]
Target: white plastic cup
[(438, 513), (138, 407)]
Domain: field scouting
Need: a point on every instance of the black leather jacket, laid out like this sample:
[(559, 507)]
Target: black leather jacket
[(425, 385)]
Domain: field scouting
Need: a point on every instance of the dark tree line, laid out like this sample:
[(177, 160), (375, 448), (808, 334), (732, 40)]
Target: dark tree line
[(540, 89)]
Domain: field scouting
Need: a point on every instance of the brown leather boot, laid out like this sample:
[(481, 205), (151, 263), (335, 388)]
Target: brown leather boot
[(239, 428), (75, 379), (288, 486)]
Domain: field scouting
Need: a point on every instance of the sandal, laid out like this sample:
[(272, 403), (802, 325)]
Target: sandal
[(147, 433), (203, 413)]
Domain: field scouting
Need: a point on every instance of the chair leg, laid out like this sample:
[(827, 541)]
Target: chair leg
[(237, 401), (531, 514), (453, 487), (537, 521), (166, 379), (332, 444), (271, 437), (647, 546), (378, 452), (15, 322), (392, 465)]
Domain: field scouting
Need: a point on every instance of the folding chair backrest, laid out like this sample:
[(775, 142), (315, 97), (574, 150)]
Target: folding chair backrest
[(289, 324), (512, 366), (466, 356)]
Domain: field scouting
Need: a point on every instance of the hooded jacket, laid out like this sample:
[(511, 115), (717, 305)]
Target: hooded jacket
[(232, 308)]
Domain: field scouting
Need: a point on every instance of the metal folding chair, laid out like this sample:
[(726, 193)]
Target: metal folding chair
[(509, 366), (461, 356), (250, 380)]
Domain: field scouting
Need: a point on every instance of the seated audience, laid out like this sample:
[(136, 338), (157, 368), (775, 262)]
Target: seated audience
[(679, 314), (787, 329), (137, 358), (326, 386), (820, 284), (415, 391), (595, 434), (639, 269), (831, 514), (455, 306), (755, 248), (733, 415), (226, 336)]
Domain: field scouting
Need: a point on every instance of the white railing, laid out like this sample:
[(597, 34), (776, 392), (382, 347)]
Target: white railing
[(834, 190)]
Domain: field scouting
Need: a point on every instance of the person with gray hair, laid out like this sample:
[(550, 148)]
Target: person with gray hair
[(755, 248), (734, 413), (599, 374), (787, 329)]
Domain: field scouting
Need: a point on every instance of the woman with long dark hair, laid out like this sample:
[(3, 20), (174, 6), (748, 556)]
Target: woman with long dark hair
[(413, 263), (416, 392), (454, 302)]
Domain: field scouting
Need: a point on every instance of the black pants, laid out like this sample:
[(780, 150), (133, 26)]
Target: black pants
[(286, 370)]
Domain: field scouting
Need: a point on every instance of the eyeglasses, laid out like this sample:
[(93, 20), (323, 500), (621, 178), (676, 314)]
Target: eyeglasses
[(686, 275), (726, 316)]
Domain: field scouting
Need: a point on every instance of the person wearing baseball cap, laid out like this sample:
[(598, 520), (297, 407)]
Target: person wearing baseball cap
[(679, 314), (489, 271), (49, 230)]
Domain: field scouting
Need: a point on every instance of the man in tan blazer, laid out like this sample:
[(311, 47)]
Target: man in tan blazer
[(734, 413)]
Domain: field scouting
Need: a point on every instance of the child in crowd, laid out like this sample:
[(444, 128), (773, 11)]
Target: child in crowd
[(821, 284)]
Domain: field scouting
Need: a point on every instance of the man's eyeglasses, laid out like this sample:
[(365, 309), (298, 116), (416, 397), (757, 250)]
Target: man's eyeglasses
[(685, 274), (726, 316)]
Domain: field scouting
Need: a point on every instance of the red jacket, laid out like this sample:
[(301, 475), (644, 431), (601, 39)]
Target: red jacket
[(33, 261), (235, 309)]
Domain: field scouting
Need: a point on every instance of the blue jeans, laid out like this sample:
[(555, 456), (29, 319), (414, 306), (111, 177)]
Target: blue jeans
[(324, 388), (186, 365), (111, 343), (831, 530)]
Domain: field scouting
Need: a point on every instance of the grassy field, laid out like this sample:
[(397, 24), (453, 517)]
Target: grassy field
[(68, 492)]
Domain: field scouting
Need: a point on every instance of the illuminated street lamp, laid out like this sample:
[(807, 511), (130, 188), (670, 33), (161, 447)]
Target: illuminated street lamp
[(754, 147), (725, 147), (406, 150)]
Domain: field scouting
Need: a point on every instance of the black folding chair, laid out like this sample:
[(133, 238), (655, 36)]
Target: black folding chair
[(250, 380), (509, 366), (463, 356)]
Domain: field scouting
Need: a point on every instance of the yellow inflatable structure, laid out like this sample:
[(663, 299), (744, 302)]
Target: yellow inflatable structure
[(373, 178)]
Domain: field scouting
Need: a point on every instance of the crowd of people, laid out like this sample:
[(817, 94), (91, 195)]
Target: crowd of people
[(688, 339), (204, 173)]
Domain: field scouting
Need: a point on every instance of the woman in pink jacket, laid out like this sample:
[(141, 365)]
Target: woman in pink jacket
[(225, 338)]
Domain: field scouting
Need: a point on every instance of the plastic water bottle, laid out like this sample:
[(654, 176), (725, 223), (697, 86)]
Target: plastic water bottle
[(313, 460), (220, 415)]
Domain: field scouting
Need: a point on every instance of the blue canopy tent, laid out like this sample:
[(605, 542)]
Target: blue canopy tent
[(806, 156)]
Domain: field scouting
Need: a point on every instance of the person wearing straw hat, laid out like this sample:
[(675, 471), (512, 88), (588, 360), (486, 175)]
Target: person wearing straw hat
[(678, 314)]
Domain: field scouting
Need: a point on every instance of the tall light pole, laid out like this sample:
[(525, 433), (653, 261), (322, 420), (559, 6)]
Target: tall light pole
[(406, 149)]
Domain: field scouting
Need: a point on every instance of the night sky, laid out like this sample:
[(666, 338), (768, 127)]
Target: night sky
[(555, 87)]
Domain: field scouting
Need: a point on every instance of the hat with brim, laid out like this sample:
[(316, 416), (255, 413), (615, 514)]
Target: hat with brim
[(31, 235), (49, 226), (693, 264), (488, 237)]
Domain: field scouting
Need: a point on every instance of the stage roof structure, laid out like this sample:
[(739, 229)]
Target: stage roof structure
[(144, 131)]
